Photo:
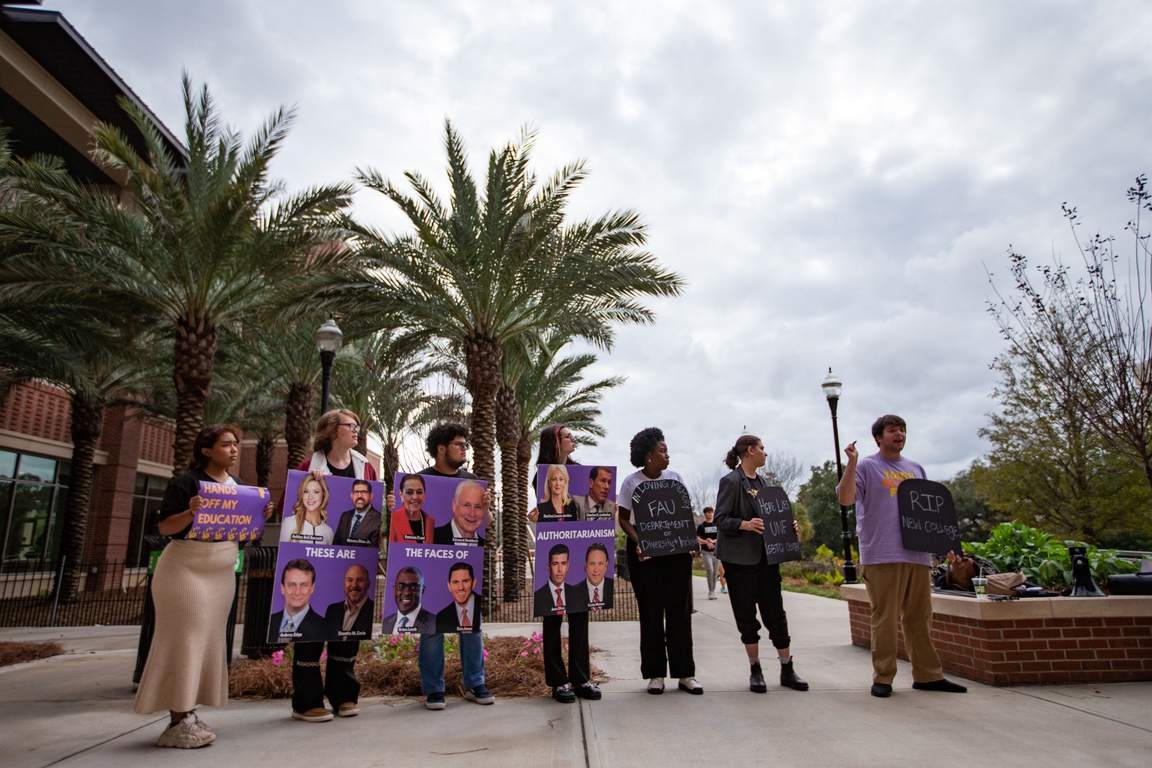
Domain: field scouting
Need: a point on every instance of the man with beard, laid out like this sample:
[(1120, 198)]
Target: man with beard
[(359, 526)]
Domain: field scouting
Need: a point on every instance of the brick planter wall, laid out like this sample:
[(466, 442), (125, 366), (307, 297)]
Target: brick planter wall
[(1037, 640)]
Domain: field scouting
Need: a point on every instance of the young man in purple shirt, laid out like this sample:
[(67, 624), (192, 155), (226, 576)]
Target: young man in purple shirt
[(898, 579)]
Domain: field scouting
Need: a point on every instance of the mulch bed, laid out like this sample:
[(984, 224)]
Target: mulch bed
[(514, 666), (18, 653)]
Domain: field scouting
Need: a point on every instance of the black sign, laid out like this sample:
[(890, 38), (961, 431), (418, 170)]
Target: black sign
[(663, 518), (780, 540), (927, 517)]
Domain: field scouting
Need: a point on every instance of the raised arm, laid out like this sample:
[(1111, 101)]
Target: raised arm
[(846, 491)]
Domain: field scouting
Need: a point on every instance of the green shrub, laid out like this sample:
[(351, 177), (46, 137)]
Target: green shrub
[(1043, 559)]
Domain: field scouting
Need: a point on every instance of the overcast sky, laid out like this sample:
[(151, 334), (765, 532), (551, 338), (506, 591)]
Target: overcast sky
[(831, 179)]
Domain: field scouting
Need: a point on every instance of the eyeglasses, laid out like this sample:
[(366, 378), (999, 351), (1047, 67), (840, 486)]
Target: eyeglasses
[(351, 427), (399, 587), (461, 444)]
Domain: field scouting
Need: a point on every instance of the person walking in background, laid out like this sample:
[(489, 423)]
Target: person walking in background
[(753, 582), (663, 584), (706, 538), (556, 447), (898, 580), (192, 590), (334, 439), (447, 444)]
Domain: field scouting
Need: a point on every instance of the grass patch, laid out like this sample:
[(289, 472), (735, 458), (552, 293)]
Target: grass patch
[(18, 653), (808, 589)]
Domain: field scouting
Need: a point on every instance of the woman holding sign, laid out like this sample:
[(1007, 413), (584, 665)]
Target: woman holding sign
[(192, 589), (663, 583), (411, 523), (335, 437), (752, 581)]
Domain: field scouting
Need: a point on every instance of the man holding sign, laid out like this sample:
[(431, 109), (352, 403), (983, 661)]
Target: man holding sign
[(898, 579)]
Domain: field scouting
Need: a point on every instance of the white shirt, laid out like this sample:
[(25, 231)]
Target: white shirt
[(552, 589), (309, 534), (460, 540), (624, 498), (351, 616), (471, 613), (411, 621), (592, 591), (296, 620)]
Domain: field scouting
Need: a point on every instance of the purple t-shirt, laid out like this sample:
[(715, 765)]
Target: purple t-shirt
[(877, 512)]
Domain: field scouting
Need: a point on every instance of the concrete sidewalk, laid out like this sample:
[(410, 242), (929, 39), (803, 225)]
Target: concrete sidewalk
[(76, 710)]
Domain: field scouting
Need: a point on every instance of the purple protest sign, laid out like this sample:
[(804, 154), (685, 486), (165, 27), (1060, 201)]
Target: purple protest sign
[(433, 588), (439, 510), (230, 513), (574, 567), (331, 510), (323, 593), (575, 492)]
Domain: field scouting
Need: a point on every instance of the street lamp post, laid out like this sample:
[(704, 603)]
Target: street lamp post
[(832, 387), (329, 339)]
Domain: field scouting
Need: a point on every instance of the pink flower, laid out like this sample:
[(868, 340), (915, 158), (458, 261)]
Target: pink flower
[(535, 650), (323, 655), (485, 655), (277, 658), (523, 653), (565, 646)]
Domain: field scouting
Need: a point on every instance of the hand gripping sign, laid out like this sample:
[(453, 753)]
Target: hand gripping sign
[(780, 540), (230, 513), (663, 518)]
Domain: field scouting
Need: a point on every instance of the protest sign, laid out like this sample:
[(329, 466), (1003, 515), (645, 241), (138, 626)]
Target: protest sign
[(438, 510), (575, 492), (575, 559), (433, 588), (323, 593), (780, 539), (229, 513), (662, 514), (331, 510), (927, 517)]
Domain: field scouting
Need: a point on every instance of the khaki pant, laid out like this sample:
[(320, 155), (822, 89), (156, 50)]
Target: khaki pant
[(901, 592)]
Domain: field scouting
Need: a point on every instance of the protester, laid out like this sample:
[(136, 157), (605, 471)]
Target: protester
[(334, 439), (706, 538), (556, 447), (192, 590), (447, 444), (752, 581), (898, 580), (411, 523), (663, 584)]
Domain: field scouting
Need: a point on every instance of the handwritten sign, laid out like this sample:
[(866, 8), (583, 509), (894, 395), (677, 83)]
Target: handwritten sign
[(230, 513), (927, 517), (780, 540), (663, 518)]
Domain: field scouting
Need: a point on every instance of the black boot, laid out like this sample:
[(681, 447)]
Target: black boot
[(789, 678), (756, 682)]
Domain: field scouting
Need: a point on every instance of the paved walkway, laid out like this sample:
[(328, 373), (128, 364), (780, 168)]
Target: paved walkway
[(76, 710)]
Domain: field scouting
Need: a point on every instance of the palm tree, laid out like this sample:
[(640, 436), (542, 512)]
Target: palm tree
[(208, 239), (495, 265)]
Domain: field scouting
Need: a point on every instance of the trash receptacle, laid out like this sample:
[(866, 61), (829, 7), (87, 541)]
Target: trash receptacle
[(261, 583)]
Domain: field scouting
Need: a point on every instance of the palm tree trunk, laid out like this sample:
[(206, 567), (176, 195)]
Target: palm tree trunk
[(512, 524), (390, 465), (193, 358), (265, 449), (87, 424), (523, 466), (298, 411), (482, 359)]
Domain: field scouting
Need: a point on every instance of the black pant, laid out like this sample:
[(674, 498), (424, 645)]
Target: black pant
[(664, 595), (757, 585), (578, 669), (309, 690)]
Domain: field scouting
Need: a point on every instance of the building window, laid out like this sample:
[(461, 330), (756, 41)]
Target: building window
[(33, 496), (145, 517)]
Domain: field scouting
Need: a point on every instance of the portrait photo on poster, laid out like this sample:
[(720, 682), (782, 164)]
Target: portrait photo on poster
[(575, 567), (662, 514), (331, 510), (780, 540), (230, 513), (567, 492), (432, 588), (927, 517), (323, 593), (438, 510)]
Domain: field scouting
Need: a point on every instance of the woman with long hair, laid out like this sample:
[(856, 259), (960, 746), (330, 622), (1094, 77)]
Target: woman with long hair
[(557, 506), (192, 589), (309, 513), (663, 584), (752, 582), (411, 523)]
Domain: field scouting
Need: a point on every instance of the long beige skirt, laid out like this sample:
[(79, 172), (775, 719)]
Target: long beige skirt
[(193, 588)]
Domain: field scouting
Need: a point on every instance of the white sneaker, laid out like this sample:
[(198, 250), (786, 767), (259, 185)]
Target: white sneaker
[(712, 596), (656, 685), (690, 685), (189, 733)]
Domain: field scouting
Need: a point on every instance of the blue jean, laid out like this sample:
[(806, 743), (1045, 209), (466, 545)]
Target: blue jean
[(431, 660)]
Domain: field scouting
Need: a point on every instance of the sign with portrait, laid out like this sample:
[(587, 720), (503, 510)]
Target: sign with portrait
[(780, 540), (662, 514), (230, 513), (927, 517), (438, 510), (574, 567), (432, 588), (331, 510), (567, 492), (323, 593)]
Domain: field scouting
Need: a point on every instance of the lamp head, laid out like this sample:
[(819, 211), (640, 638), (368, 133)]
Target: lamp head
[(329, 337), (831, 386)]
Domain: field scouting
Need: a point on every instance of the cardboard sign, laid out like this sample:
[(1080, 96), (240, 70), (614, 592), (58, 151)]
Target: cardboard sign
[(432, 589), (927, 517), (325, 580), (662, 514), (579, 557), (438, 510), (780, 539), (575, 492), (230, 513), (325, 511)]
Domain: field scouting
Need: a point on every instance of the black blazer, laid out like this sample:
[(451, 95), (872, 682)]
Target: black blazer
[(367, 535), (584, 596), (448, 621), (548, 513), (425, 623), (542, 604), (442, 534), (733, 506), (313, 630), (362, 627)]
